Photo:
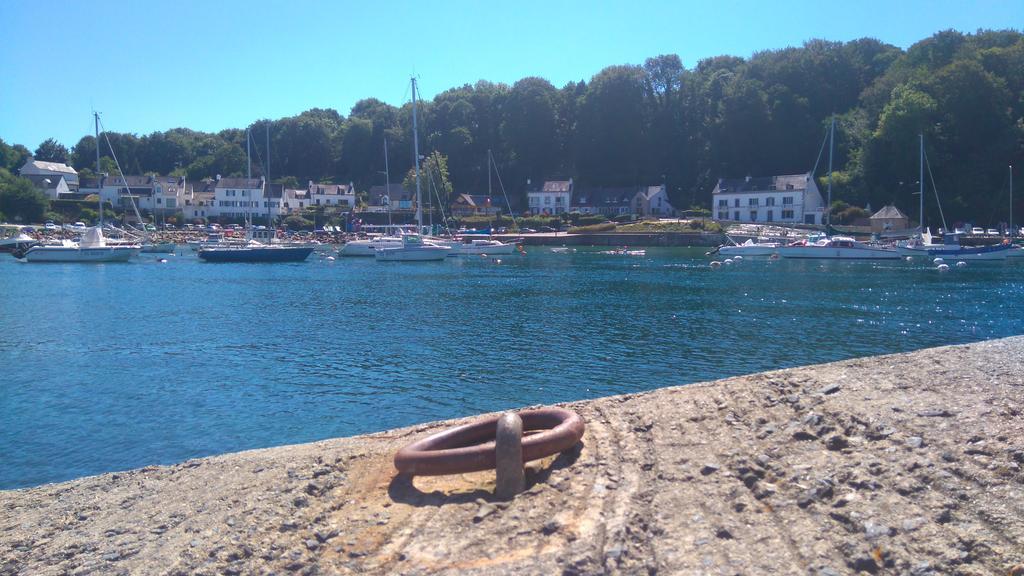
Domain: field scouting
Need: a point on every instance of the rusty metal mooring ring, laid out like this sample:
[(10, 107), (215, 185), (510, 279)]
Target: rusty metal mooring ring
[(470, 448)]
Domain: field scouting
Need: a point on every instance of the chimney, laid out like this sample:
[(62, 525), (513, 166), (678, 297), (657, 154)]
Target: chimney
[(748, 179)]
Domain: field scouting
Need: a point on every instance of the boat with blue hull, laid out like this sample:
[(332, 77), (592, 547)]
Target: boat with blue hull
[(255, 252)]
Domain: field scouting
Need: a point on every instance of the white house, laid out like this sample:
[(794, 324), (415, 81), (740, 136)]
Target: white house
[(40, 167), (395, 198), (50, 184), (789, 199), (164, 194), (238, 198), (607, 201), (342, 195), (553, 198), (653, 201), (198, 200)]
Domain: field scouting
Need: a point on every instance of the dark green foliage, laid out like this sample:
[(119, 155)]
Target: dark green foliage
[(664, 123), (20, 200), (51, 151)]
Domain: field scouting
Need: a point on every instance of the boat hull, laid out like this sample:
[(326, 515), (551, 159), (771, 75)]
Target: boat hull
[(834, 253), (748, 251), (75, 254), (419, 254), (160, 248), (256, 255), (492, 250), (963, 253), (366, 248)]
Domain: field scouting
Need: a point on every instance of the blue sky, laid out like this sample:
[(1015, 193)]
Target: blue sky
[(214, 64)]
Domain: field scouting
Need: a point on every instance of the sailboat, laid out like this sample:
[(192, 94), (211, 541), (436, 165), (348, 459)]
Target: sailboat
[(478, 246), (835, 247), (950, 247), (92, 247), (254, 250), (369, 246), (413, 248)]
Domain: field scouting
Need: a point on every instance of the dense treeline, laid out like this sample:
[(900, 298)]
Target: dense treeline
[(630, 125)]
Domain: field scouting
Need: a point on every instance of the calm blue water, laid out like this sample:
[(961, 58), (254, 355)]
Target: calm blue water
[(109, 367)]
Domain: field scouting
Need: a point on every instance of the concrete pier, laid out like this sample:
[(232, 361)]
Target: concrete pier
[(902, 464)]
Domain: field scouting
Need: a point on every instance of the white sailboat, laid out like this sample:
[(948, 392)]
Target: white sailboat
[(950, 247), (413, 248), (468, 246), (93, 247), (369, 246)]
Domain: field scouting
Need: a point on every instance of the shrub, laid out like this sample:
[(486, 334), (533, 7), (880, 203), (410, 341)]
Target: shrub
[(604, 227)]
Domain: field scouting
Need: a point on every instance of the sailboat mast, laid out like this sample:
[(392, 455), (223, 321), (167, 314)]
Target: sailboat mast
[(266, 185), (1010, 231), (831, 142), (248, 155), (99, 176), (416, 153), (387, 184), (920, 179)]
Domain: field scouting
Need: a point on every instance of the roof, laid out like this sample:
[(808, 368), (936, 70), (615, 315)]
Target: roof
[(330, 189), (241, 183), (51, 166), (473, 199), (275, 190), (889, 211), (557, 186), (605, 196), (129, 181), (651, 191), (39, 180), (396, 192), (205, 186), (763, 183)]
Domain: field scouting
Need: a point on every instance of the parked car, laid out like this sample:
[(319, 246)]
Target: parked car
[(992, 232), (977, 231), (527, 230), (49, 225), (547, 229)]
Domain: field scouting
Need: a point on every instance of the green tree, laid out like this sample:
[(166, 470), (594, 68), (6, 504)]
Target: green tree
[(20, 200), (51, 151)]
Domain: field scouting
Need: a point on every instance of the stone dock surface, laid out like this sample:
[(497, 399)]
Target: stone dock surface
[(901, 464)]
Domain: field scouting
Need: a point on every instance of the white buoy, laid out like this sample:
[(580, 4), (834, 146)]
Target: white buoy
[(737, 258), (162, 260), (961, 264), (330, 258), (909, 258), (716, 264), (942, 267), (498, 261), (938, 261), (728, 262)]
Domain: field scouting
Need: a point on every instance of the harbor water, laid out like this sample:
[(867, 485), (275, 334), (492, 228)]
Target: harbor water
[(114, 366)]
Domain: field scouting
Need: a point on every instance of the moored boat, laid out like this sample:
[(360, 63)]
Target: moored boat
[(472, 247), (749, 248), (413, 249), (837, 248), (255, 252), (91, 248), (13, 237), (368, 247)]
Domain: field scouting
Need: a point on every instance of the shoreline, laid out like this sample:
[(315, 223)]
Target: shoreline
[(891, 464)]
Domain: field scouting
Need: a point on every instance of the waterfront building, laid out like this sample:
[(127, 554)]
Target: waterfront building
[(43, 168), (238, 198), (198, 200), (653, 201), (605, 201), (474, 205), (554, 197), (395, 198), (155, 194), (790, 199), (888, 219), (342, 195), (53, 185)]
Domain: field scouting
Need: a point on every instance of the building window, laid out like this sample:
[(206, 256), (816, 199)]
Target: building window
[(769, 201), (736, 204), (787, 214), (771, 216), (547, 200), (736, 215), (723, 203), (753, 215), (789, 186), (558, 200), (754, 202), (723, 215), (787, 200)]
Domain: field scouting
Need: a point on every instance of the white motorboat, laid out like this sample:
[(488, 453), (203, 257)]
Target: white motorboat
[(750, 248), (92, 248), (159, 248), (474, 246), (368, 247), (837, 248), (413, 249), (13, 237)]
